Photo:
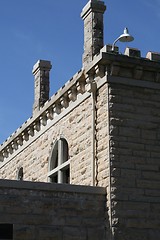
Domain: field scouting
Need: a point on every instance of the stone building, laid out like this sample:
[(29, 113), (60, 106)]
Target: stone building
[(99, 138)]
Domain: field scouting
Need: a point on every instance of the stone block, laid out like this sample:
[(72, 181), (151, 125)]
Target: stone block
[(108, 48), (153, 56), (132, 52)]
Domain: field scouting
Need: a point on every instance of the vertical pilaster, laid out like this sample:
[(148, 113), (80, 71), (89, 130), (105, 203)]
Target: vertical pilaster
[(92, 15), (41, 90)]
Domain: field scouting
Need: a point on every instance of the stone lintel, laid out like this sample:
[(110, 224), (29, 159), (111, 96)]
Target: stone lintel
[(93, 6)]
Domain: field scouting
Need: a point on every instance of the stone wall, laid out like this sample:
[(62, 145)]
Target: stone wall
[(135, 165), (53, 211), (75, 127), (74, 123), (124, 145), (113, 135), (102, 137)]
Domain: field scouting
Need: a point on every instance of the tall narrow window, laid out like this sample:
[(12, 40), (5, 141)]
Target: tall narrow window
[(20, 174), (59, 171), (6, 231)]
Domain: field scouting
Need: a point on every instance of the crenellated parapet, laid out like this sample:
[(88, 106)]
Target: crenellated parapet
[(50, 110), (128, 68), (129, 65)]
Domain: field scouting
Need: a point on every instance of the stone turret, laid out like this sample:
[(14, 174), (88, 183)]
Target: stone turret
[(41, 90), (92, 15)]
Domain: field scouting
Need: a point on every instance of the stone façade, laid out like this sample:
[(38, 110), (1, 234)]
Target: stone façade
[(109, 114)]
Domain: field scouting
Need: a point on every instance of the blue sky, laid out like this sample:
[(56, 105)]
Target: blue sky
[(53, 30)]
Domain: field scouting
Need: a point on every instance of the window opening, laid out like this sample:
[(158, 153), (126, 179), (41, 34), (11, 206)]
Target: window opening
[(6, 231), (59, 171), (20, 174)]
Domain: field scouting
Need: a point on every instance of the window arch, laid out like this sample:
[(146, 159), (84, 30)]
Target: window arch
[(59, 170)]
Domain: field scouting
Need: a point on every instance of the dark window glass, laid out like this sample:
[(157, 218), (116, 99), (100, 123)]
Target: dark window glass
[(66, 175), (54, 179), (20, 174), (6, 231), (54, 158)]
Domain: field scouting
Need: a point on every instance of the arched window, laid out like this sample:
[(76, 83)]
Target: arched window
[(59, 171)]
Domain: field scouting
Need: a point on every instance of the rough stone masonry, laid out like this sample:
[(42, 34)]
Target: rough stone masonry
[(108, 114)]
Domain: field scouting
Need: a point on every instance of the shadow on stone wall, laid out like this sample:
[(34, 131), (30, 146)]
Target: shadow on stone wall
[(53, 211)]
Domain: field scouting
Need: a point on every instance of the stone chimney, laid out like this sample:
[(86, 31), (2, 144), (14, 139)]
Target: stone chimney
[(41, 81), (92, 14)]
